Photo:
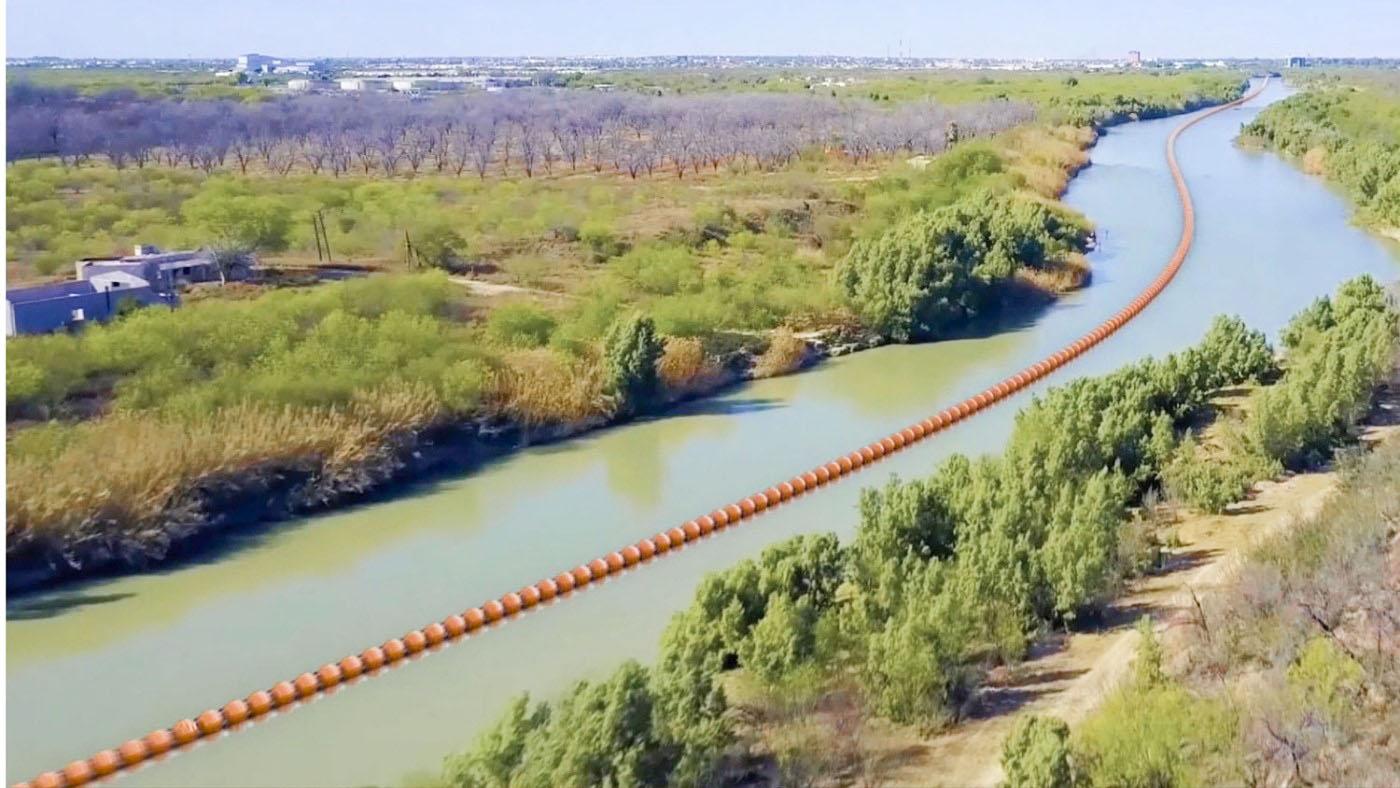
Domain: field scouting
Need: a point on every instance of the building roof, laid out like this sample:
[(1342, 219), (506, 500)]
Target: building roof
[(23, 295)]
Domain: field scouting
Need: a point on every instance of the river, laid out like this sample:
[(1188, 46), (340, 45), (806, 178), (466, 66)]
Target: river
[(92, 665)]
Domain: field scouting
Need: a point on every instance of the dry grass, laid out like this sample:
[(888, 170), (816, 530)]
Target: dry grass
[(1315, 161), (125, 481), (1046, 158), (539, 387), (685, 369), (785, 354), (1057, 276)]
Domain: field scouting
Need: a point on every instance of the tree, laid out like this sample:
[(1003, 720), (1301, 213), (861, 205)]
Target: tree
[(631, 349), (440, 246), (239, 221), (1036, 754)]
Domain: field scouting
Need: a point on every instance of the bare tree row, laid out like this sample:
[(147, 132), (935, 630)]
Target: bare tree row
[(519, 132)]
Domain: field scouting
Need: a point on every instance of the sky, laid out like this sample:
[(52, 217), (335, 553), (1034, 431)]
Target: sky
[(934, 28)]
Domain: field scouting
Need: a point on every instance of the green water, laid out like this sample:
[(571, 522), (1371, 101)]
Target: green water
[(90, 666)]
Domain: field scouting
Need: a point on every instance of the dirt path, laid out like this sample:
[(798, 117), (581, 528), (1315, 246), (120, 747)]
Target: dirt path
[(1068, 675)]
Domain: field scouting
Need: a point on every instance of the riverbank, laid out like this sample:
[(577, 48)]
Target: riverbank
[(59, 532), (1068, 675)]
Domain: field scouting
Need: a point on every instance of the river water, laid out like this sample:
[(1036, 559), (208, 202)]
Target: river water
[(90, 666)]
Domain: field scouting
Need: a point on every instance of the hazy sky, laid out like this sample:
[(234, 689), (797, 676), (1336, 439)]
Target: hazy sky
[(957, 28)]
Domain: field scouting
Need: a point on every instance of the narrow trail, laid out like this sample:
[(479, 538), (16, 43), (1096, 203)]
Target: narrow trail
[(286, 696)]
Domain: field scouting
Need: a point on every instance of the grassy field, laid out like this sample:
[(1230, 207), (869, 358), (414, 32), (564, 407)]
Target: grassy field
[(145, 82)]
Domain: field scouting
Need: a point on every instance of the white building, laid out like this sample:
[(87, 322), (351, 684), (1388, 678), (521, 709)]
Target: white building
[(254, 63), (402, 85), (298, 85)]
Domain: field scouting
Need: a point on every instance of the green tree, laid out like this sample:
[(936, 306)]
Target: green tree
[(495, 758), (631, 349), (440, 246), (1037, 754), (239, 221)]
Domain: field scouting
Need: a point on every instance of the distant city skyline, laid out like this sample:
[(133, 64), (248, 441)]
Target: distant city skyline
[(989, 28)]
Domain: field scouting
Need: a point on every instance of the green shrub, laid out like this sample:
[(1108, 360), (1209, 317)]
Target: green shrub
[(1037, 755), (631, 349), (521, 324)]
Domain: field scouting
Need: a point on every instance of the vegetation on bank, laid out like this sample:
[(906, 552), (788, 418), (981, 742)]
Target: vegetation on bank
[(950, 575), (204, 391), (1288, 674), (1347, 130)]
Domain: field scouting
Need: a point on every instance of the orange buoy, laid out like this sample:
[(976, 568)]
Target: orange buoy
[(235, 711), (395, 650), (529, 597), (105, 762), (329, 674), (833, 470), (306, 684), (663, 542), (435, 632), (77, 773), (582, 575), (823, 475), (283, 693), (615, 562), (547, 588), (707, 523), (373, 658), (811, 478), (646, 548), (898, 439), (679, 536), (564, 583), (747, 507), (49, 780), (719, 517), (908, 434), (844, 464), (260, 703), (210, 722), (455, 625), (511, 602), (133, 751), (786, 490), (799, 485), (159, 742), (185, 731), (736, 512), (774, 495), (867, 454), (599, 567), (631, 555)]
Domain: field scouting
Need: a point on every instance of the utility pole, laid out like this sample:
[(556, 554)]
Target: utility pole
[(316, 231), (325, 235)]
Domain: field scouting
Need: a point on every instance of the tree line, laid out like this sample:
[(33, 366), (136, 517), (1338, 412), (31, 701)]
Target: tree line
[(946, 576), (525, 132)]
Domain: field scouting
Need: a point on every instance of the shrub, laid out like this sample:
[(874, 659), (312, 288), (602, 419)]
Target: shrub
[(631, 349), (785, 354), (1037, 755), (521, 324)]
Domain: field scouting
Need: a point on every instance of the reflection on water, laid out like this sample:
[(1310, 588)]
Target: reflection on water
[(91, 666)]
